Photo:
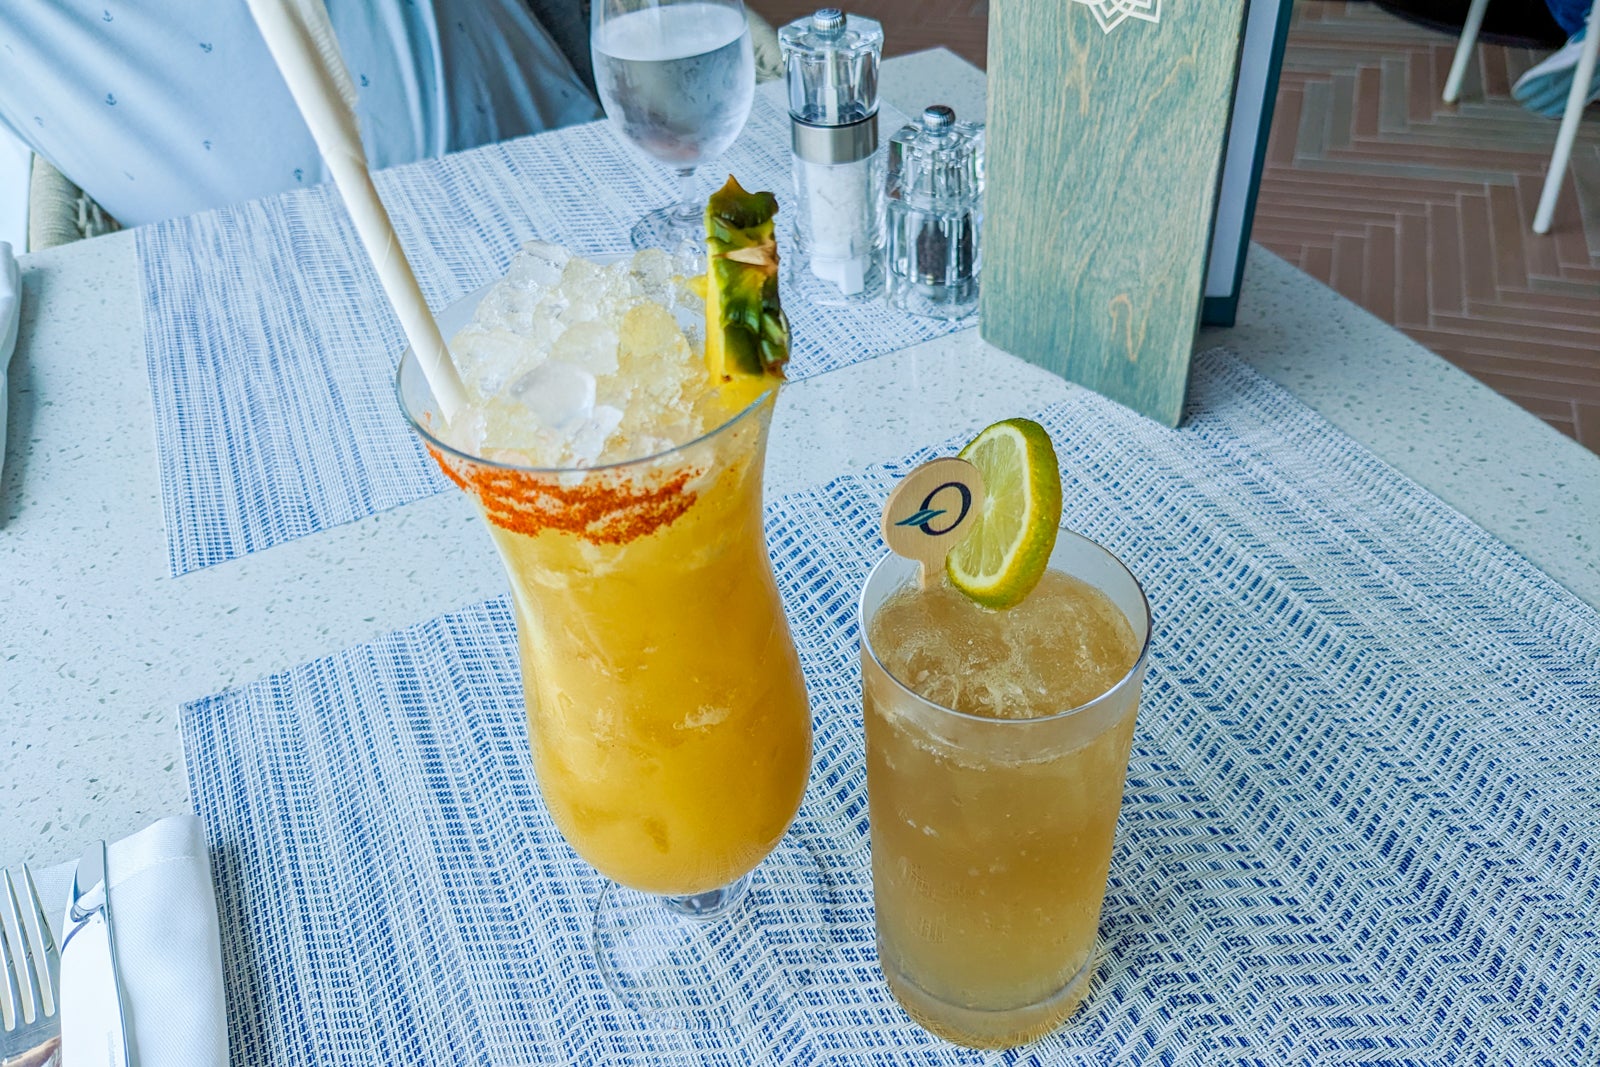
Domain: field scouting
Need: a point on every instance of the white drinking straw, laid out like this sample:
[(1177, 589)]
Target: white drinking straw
[(300, 37)]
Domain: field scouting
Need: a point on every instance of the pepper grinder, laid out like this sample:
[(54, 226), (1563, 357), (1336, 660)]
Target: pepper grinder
[(935, 215), (832, 63)]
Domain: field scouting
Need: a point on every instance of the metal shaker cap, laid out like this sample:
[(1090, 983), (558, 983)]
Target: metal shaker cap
[(828, 21), (832, 61)]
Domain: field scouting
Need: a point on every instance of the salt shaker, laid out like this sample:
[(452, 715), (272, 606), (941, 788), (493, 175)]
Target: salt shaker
[(832, 68), (935, 215)]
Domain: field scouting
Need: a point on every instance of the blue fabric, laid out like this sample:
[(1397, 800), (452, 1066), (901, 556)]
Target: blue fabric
[(163, 109), (1546, 86), (1570, 15), (271, 349), (1360, 823)]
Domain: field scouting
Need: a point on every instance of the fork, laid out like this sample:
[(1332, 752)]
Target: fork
[(30, 968)]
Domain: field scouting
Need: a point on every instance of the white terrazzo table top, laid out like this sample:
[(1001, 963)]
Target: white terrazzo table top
[(98, 646)]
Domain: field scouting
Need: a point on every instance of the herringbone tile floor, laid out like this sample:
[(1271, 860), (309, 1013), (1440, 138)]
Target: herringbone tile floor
[(1417, 210), (1421, 211)]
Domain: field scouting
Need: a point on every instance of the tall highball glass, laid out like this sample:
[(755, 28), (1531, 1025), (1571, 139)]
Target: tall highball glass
[(991, 838)]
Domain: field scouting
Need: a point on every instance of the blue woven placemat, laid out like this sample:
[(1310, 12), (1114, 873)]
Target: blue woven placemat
[(1361, 822), (271, 351)]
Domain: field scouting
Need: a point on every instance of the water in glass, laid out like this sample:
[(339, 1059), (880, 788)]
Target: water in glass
[(679, 79)]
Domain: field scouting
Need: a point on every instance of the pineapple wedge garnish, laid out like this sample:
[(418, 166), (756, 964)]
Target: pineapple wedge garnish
[(747, 335)]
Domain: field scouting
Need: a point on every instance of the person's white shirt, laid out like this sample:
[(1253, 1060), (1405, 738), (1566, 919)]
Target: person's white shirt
[(159, 109)]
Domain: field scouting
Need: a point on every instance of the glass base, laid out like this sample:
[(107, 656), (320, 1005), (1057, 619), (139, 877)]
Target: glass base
[(697, 961), (671, 228), (981, 1029), (948, 302)]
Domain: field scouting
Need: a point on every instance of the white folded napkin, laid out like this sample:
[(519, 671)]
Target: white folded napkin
[(10, 312), (168, 948)]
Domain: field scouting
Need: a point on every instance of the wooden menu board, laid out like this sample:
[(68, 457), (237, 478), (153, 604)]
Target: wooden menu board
[(1107, 120)]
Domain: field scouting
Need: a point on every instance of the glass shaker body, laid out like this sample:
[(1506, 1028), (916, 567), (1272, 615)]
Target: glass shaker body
[(934, 250), (832, 68)]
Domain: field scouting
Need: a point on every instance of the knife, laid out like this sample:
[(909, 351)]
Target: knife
[(96, 1032)]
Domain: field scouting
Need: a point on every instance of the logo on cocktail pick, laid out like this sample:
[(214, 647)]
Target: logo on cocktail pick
[(1112, 13), (931, 511)]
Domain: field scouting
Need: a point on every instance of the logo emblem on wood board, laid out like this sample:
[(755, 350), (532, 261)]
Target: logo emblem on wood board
[(1112, 13)]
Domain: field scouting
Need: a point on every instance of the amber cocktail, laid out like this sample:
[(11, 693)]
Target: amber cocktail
[(997, 744)]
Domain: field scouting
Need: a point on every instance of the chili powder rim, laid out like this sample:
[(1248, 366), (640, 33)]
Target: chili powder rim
[(433, 439)]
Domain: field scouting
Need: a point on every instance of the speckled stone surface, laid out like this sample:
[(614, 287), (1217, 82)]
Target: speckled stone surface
[(98, 645), (1530, 486)]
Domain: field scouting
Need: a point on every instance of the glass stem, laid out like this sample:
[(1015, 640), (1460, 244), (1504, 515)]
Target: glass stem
[(687, 203), (713, 904)]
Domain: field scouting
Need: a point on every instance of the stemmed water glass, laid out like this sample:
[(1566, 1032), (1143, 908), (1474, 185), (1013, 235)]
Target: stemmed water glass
[(677, 78)]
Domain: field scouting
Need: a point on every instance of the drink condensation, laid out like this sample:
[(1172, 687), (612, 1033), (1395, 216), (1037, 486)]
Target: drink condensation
[(680, 78)]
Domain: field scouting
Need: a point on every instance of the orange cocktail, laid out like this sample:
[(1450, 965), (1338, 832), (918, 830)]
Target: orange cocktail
[(670, 727)]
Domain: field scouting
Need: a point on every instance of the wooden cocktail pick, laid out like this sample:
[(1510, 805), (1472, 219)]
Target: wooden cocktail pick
[(931, 511)]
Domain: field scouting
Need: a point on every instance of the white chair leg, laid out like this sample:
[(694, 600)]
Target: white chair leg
[(1464, 47), (1582, 78)]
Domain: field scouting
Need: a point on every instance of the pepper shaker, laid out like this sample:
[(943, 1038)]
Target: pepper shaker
[(935, 215), (832, 70)]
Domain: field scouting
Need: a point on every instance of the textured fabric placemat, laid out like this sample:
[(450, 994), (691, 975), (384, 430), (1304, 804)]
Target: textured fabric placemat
[(271, 351), (1361, 822)]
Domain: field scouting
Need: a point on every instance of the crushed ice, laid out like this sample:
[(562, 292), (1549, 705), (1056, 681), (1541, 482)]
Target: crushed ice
[(570, 363)]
